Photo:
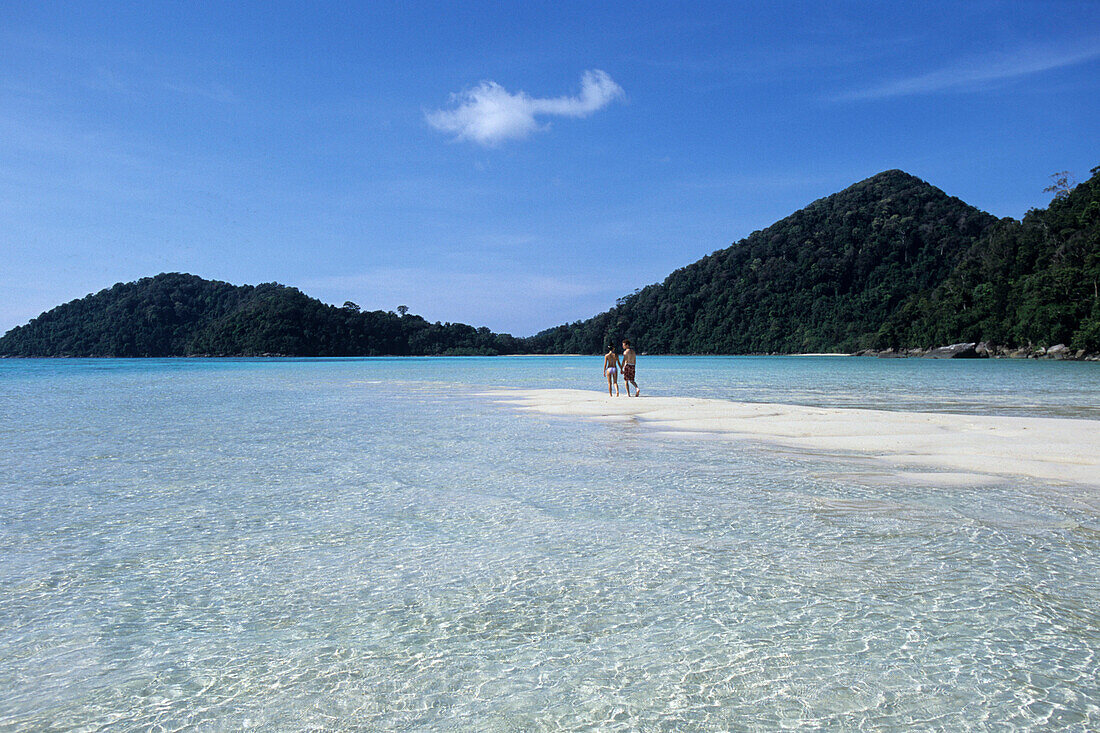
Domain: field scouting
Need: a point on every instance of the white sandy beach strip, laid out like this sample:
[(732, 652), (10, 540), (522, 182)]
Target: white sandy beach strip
[(1061, 450)]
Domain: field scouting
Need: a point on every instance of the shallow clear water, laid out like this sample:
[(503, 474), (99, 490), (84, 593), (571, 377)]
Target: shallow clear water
[(369, 544)]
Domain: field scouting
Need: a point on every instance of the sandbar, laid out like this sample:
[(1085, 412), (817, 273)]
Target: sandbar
[(1048, 449)]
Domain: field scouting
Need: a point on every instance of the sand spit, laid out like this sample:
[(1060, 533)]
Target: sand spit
[(1059, 450)]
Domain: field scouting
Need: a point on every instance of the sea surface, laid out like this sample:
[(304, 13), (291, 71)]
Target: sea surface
[(373, 544)]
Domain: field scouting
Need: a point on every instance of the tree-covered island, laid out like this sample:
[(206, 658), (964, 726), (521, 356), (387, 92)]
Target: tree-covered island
[(889, 264)]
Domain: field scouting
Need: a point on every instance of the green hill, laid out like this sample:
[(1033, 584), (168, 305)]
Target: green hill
[(888, 262), (825, 278), (175, 314), (1034, 282), (155, 316)]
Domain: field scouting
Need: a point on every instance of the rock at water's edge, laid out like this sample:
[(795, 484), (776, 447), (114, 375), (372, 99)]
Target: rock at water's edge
[(955, 351), (1058, 351)]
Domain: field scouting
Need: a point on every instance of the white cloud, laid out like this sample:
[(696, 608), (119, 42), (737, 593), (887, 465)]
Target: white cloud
[(978, 73), (489, 114)]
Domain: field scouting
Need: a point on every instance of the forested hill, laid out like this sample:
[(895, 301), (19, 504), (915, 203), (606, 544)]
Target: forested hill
[(176, 314), (890, 262), (825, 278), (1031, 283)]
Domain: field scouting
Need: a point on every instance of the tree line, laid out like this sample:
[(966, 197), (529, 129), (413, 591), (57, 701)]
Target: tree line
[(176, 314), (890, 262)]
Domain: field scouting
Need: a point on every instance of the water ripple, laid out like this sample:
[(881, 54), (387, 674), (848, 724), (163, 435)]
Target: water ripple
[(294, 548)]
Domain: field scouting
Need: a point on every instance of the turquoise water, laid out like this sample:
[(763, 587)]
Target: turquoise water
[(371, 545)]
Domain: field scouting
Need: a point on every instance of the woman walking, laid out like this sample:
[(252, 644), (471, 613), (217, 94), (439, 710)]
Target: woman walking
[(611, 369)]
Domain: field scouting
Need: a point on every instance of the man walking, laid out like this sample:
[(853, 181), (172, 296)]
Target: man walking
[(630, 361)]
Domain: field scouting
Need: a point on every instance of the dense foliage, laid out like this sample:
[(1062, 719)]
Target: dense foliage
[(155, 316), (175, 314), (888, 262), (825, 278), (1034, 282)]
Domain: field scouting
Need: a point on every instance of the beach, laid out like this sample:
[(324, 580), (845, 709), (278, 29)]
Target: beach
[(967, 448)]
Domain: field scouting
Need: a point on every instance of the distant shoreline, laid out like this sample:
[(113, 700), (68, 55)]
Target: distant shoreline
[(1018, 354)]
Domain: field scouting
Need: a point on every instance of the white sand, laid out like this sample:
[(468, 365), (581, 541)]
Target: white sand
[(1060, 450)]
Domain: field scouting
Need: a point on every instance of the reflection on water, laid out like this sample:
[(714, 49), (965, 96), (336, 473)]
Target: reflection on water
[(368, 545)]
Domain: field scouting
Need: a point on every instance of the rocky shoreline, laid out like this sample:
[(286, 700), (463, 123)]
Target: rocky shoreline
[(984, 350)]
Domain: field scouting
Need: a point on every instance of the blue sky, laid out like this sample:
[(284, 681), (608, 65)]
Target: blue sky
[(515, 165)]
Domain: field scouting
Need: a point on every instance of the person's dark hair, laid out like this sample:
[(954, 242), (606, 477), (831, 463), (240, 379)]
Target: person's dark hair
[(626, 342)]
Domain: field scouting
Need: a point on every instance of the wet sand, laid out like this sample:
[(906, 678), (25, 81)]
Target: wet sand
[(968, 448)]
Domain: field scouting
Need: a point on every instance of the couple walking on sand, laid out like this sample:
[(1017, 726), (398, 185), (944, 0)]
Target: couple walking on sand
[(628, 362)]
